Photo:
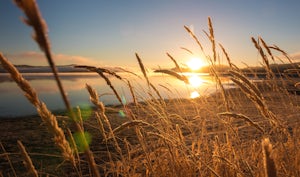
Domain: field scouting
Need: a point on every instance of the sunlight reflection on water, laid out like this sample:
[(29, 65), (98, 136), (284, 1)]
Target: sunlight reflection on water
[(13, 103), (194, 94), (195, 81)]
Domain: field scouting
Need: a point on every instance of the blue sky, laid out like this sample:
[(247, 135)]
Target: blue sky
[(108, 33)]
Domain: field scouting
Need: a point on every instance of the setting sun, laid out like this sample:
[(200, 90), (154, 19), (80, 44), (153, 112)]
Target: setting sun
[(195, 63)]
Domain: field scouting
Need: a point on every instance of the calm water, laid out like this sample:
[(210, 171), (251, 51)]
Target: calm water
[(14, 104)]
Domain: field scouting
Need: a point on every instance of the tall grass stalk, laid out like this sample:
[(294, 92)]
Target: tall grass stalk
[(101, 72), (212, 39), (174, 74), (175, 62), (132, 93), (47, 117), (193, 36), (269, 163), (230, 63), (247, 119), (266, 62), (101, 112), (8, 159), (40, 35), (276, 48), (27, 160), (142, 67), (255, 96)]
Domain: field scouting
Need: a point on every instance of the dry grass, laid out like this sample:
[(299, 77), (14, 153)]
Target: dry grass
[(157, 137), (48, 118), (27, 160), (40, 35), (269, 163)]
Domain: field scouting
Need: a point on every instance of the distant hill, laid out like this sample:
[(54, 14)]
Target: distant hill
[(44, 69), (277, 69), (61, 69), (205, 69)]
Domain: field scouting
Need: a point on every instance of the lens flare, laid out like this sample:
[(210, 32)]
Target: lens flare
[(82, 140)]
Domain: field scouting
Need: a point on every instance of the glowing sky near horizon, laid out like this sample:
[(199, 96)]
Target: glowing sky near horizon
[(108, 33)]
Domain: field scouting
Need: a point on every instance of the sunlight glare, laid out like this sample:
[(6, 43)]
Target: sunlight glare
[(195, 63), (194, 94), (195, 81)]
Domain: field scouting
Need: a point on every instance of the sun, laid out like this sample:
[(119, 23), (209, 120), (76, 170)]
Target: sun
[(195, 63)]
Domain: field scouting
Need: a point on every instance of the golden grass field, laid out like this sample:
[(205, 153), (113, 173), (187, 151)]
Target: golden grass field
[(202, 135), (250, 130)]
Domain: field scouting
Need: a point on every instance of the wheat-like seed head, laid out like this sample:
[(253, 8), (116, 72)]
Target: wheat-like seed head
[(40, 35), (174, 61), (34, 19), (276, 48), (247, 82), (59, 136), (267, 48), (172, 73), (188, 50), (101, 116), (264, 57), (79, 118), (193, 36), (179, 133), (254, 95), (73, 144), (241, 116), (101, 72), (49, 119), (142, 67), (23, 84), (132, 93), (95, 98), (131, 123), (101, 127), (232, 65), (212, 39), (156, 91)]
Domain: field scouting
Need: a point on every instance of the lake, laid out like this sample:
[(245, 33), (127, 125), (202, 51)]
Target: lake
[(14, 104)]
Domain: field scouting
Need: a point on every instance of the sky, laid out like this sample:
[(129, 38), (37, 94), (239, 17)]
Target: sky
[(110, 32)]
